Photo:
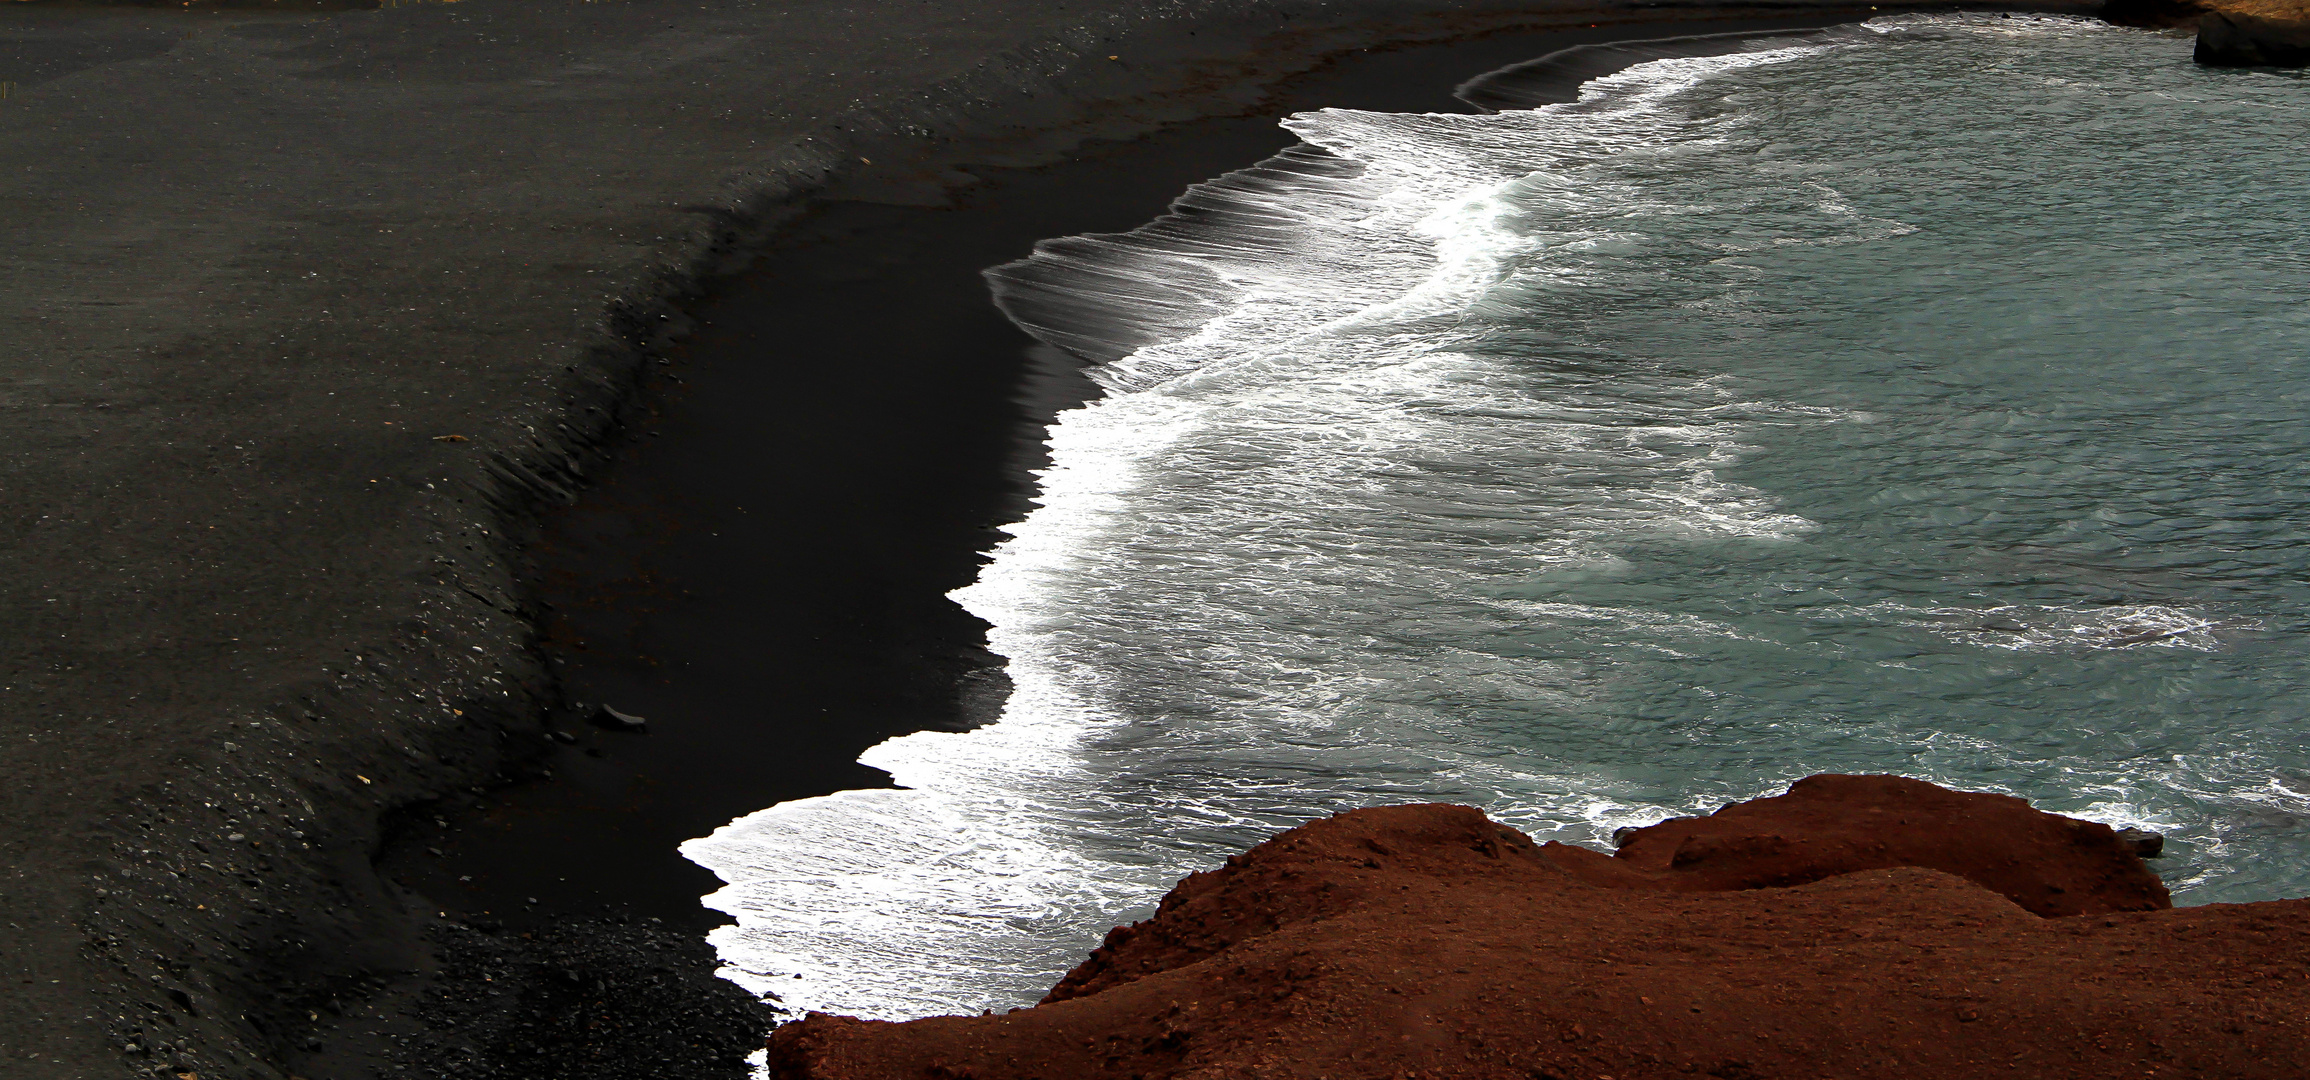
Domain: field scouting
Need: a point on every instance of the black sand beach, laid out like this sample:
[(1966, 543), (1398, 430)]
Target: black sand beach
[(763, 572), (311, 317)]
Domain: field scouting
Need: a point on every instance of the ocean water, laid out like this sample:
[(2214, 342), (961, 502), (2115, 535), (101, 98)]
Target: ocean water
[(1929, 401)]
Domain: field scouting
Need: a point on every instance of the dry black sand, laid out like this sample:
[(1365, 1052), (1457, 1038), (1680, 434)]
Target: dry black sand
[(307, 317)]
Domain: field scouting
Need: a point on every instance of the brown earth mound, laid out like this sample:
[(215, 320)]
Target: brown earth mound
[(1855, 927)]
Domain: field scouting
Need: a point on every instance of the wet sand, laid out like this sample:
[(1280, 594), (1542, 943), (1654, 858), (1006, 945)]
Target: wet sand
[(308, 317)]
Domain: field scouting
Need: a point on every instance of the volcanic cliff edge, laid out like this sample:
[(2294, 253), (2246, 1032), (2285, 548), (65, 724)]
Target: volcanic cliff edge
[(1857, 926)]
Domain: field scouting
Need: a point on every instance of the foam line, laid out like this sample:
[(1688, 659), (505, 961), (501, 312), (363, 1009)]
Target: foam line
[(1424, 478), (1558, 77), (1104, 296), (1107, 296), (1005, 849)]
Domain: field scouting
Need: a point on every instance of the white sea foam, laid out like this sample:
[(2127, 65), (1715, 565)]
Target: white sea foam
[(2051, 626), (1481, 462), (971, 885)]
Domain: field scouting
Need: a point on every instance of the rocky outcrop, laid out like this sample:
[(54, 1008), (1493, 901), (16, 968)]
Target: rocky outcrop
[(1854, 927), (2231, 33), (1830, 825), (2263, 35)]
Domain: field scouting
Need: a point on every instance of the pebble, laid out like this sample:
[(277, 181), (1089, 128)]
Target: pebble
[(606, 717)]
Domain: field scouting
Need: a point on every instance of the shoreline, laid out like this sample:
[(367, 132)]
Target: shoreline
[(812, 551), (218, 877)]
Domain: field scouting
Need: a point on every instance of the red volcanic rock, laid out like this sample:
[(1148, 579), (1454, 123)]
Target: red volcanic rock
[(1831, 825), (1855, 927)]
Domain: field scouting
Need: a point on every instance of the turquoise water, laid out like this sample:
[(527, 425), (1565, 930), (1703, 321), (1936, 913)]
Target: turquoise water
[(1930, 404)]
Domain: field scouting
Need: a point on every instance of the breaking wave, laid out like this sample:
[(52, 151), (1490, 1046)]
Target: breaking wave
[(1854, 402)]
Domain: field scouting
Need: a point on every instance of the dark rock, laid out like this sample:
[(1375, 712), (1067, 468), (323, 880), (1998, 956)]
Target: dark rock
[(606, 717), (2144, 843), (2153, 13), (2235, 39)]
